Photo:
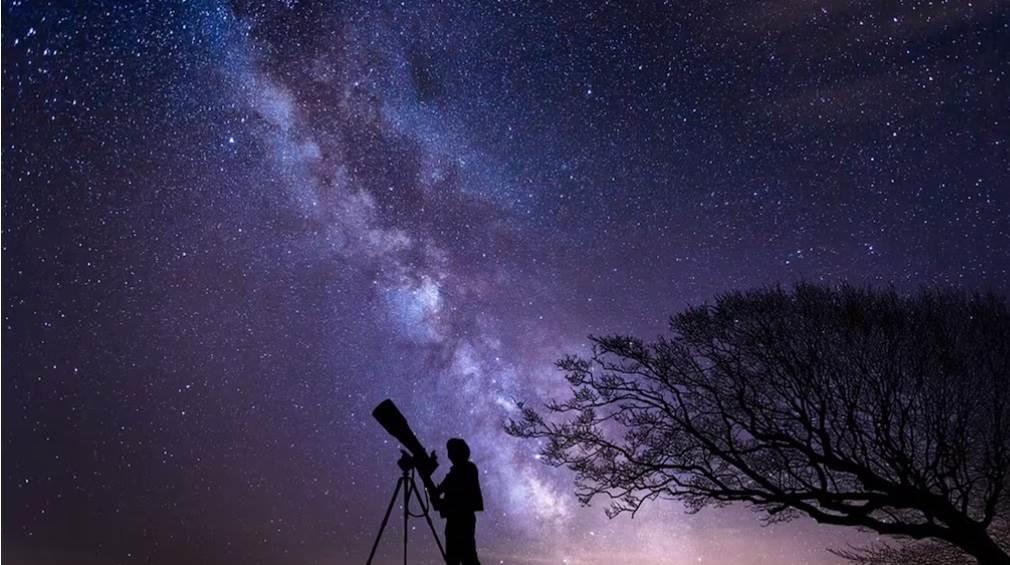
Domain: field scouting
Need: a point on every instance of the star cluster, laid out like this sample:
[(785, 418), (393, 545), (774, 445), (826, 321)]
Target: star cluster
[(231, 229)]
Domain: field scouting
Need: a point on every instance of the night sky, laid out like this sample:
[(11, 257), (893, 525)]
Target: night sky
[(229, 230)]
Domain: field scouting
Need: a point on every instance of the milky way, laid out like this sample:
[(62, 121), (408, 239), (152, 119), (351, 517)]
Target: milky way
[(229, 230)]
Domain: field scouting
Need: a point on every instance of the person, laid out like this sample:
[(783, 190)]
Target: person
[(459, 497)]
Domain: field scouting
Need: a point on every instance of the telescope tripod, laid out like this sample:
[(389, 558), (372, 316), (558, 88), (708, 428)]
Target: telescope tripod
[(406, 482)]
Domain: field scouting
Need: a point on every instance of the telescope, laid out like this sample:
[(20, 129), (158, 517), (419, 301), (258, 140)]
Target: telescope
[(415, 457)]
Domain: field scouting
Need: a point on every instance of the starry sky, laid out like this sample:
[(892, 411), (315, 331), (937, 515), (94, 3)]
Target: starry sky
[(231, 229)]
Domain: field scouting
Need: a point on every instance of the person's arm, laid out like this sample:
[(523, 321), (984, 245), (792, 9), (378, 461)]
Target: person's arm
[(434, 492), (439, 494), (476, 496)]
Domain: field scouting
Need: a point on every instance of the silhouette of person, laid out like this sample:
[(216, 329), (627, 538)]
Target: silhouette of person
[(460, 497)]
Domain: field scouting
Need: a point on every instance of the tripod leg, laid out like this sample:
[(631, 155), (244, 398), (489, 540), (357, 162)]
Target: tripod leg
[(399, 482), (407, 485), (427, 518)]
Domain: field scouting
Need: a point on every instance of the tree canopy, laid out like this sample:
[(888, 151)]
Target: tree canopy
[(853, 406)]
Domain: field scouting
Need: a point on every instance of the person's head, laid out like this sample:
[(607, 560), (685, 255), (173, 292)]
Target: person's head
[(458, 450)]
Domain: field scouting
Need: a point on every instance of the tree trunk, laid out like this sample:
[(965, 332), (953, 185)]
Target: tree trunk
[(986, 551), (997, 558)]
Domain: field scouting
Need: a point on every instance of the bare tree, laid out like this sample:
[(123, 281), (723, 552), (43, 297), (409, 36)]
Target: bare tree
[(853, 406), (917, 553), (924, 552)]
